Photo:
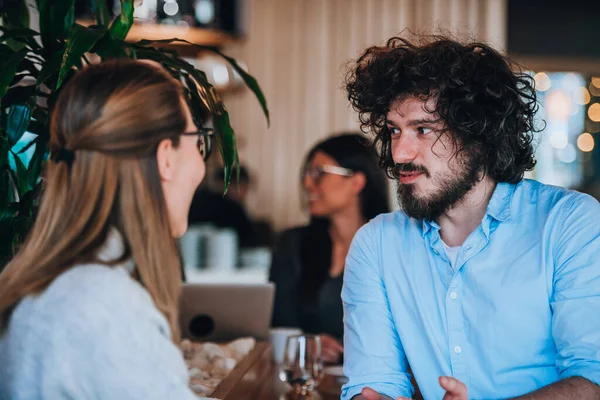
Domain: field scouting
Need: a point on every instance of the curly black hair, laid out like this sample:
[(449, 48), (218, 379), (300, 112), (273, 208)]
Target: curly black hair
[(487, 106)]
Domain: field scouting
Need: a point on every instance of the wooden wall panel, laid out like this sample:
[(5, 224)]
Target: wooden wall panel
[(297, 49)]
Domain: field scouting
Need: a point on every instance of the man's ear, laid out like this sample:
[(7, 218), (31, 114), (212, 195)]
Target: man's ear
[(164, 152)]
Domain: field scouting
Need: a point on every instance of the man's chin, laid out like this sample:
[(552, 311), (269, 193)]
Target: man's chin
[(419, 208)]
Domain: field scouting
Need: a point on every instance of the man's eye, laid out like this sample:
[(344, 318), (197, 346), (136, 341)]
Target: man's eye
[(424, 131), (393, 131)]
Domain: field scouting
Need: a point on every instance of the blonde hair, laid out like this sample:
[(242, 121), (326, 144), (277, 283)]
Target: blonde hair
[(112, 116)]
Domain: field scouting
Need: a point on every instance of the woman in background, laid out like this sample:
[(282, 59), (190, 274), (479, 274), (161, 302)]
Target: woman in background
[(89, 305), (344, 189)]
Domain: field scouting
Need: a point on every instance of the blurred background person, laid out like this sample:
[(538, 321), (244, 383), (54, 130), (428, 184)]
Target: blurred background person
[(344, 189), (89, 306), (210, 206)]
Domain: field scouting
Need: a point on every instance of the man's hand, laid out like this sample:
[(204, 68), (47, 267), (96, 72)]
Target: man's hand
[(330, 348), (369, 394), (455, 389)]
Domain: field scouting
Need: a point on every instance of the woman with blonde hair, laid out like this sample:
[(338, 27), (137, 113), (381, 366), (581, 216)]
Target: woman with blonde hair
[(88, 306)]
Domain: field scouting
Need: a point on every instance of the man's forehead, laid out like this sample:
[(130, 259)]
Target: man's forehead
[(411, 106)]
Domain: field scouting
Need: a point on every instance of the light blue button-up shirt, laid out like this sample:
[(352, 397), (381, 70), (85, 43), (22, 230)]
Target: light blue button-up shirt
[(519, 311)]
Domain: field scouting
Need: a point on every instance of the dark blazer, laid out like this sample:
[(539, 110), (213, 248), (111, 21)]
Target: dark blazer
[(325, 313)]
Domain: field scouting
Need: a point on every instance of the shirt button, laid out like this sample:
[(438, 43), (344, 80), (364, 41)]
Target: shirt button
[(468, 247), (453, 295), (457, 349)]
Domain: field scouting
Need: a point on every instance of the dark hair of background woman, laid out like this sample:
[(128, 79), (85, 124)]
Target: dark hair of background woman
[(352, 151)]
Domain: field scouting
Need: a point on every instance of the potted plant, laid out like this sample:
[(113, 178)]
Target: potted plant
[(34, 67)]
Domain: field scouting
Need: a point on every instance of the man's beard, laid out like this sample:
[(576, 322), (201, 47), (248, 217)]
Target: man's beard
[(450, 190)]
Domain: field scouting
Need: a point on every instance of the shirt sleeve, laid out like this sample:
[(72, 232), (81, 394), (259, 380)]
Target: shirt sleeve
[(373, 354), (575, 299)]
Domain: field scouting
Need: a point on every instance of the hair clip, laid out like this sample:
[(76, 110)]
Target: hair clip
[(64, 154)]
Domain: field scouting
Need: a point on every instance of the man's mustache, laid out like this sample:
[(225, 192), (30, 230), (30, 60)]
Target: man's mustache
[(410, 167)]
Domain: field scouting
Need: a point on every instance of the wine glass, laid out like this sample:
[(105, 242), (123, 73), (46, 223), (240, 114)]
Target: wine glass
[(302, 363)]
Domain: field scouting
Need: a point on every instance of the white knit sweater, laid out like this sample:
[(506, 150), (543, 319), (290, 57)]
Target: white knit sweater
[(94, 333)]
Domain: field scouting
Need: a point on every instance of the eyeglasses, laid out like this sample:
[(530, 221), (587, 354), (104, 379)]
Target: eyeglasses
[(317, 172), (205, 140)]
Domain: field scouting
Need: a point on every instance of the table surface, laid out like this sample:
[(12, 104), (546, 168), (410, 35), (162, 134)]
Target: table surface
[(273, 388), (257, 377)]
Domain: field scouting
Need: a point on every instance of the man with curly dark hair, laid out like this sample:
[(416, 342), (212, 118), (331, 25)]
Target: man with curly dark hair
[(485, 283)]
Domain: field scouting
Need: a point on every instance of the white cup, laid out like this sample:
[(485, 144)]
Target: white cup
[(278, 338), (222, 249), (190, 244), (257, 257)]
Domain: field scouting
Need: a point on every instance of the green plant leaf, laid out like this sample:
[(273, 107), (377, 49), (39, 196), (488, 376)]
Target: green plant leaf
[(18, 95), (9, 211), (80, 41), (121, 25), (2, 121), (36, 127), (6, 243), (249, 80), (17, 14), (64, 17), (50, 68), (12, 192), (8, 69), (16, 32), (56, 19), (13, 230), (40, 115), (28, 145), (225, 134), (101, 12), (17, 122), (16, 44), (109, 47), (21, 225), (5, 51), (4, 149), (228, 145), (28, 204), (37, 161), (13, 195), (45, 11), (226, 138), (21, 175), (5, 188), (194, 97), (214, 104)]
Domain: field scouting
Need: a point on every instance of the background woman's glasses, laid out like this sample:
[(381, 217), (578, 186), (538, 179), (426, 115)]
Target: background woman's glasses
[(205, 140), (317, 172), (302, 363)]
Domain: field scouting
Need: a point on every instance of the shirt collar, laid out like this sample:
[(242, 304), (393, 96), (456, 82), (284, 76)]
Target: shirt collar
[(429, 225), (498, 207)]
